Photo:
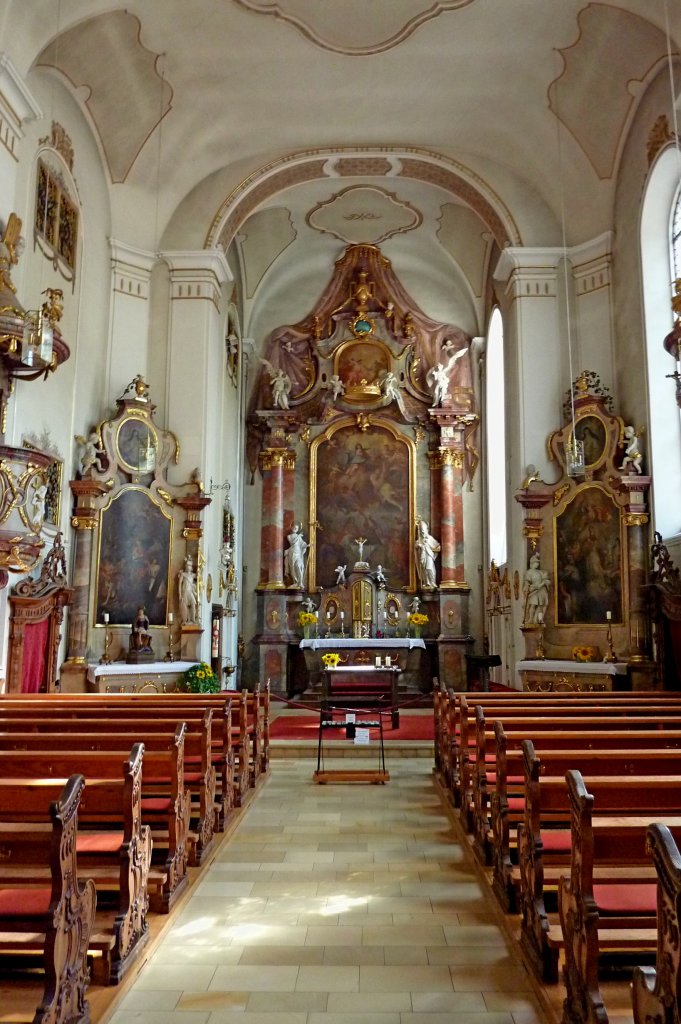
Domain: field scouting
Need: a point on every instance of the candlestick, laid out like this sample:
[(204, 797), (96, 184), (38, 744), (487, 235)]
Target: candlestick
[(608, 616), (610, 657), (108, 637), (170, 618), (106, 618)]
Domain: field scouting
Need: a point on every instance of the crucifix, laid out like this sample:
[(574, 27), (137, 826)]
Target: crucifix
[(360, 542)]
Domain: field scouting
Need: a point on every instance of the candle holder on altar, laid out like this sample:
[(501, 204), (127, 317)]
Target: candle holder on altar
[(170, 653), (610, 658), (108, 640), (342, 632)]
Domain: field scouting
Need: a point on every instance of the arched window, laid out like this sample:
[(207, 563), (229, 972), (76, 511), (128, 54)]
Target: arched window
[(661, 263), (495, 439)]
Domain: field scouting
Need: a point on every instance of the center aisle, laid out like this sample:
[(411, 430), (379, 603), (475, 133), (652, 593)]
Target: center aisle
[(337, 904)]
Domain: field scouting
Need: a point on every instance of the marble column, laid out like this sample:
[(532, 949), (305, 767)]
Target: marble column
[(85, 520), (272, 536)]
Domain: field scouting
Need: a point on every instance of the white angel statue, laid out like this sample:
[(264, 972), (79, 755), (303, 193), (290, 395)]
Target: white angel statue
[(280, 383), (437, 377)]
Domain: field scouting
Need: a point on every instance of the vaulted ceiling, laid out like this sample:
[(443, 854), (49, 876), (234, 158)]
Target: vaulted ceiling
[(440, 129)]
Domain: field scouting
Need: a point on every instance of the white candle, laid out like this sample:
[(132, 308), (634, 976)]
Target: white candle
[(106, 618), (342, 616), (378, 661), (608, 616), (328, 615), (170, 618)]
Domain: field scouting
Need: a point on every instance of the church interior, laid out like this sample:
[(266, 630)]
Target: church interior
[(340, 362)]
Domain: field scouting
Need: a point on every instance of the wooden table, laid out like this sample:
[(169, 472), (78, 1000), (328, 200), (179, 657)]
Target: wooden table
[(364, 685)]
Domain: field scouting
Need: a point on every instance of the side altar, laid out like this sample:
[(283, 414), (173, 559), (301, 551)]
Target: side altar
[(121, 677), (363, 426)]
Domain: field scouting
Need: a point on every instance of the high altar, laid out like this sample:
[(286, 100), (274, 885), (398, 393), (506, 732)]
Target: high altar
[(363, 426)]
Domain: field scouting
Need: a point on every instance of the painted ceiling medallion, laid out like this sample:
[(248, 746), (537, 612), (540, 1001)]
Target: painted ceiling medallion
[(364, 215), (354, 27)]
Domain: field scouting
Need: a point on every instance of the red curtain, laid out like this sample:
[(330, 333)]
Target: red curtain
[(36, 635)]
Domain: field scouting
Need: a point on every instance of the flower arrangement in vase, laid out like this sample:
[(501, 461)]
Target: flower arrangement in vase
[(584, 653), (305, 620), (330, 659), (417, 619), (199, 679)]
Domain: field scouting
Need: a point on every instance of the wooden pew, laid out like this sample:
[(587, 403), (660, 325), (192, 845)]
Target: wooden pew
[(229, 740), (544, 837), (461, 719), (57, 918), (167, 812), (113, 847), (24, 732), (617, 730), (610, 914), (656, 992)]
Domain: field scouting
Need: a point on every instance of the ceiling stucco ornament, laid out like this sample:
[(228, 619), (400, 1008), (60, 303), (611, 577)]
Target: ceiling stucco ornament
[(355, 28), (606, 88), (88, 55), (314, 165), (363, 214)]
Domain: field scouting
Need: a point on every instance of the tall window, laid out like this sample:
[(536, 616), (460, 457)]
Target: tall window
[(661, 264), (495, 439)]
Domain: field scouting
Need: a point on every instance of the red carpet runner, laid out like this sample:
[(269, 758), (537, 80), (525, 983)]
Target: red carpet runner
[(306, 727)]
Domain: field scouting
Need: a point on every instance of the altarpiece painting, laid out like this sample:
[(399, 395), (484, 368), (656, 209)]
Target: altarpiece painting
[(134, 558), (362, 488), (588, 559)]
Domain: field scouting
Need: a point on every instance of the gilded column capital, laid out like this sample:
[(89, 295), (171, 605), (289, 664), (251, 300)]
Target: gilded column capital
[(435, 459), (271, 457), (85, 522), (451, 457), (636, 518)]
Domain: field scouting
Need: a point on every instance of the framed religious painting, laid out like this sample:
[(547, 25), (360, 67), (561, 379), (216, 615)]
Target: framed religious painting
[(134, 558), (362, 486), (588, 559), (330, 610), (591, 431), (136, 444)]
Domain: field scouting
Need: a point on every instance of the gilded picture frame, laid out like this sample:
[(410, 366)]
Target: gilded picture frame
[(135, 435)]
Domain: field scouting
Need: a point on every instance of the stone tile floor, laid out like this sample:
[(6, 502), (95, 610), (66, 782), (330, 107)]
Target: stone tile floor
[(338, 904)]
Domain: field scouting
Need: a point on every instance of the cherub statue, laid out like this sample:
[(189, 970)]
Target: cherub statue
[(632, 453), (280, 383), (90, 453), (340, 575), (336, 387), (309, 605), (53, 306), (379, 576), (415, 605)]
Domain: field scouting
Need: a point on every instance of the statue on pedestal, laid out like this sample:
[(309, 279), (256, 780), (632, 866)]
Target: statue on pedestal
[(139, 646), (536, 591), (360, 542), (188, 593), (294, 557), (425, 549)]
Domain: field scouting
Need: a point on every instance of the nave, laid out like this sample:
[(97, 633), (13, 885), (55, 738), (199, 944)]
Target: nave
[(357, 904)]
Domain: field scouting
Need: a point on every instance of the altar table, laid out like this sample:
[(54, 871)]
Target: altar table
[(152, 677), (362, 684), (564, 676)]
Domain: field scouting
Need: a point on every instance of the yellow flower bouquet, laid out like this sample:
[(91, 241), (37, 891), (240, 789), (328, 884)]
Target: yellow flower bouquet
[(584, 653), (331, 659), (199, 679), (306, 619), (417, 619)]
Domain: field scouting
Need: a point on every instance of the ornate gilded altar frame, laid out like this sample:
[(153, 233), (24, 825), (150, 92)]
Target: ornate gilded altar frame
[(368, 421)]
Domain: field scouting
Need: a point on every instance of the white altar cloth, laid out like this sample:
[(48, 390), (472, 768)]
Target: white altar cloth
[(598, 668), (322, 644), (121, 668)]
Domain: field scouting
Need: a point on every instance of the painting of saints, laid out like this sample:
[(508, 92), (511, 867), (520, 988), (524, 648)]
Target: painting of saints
[(588, 560), (134, 559), (363, 489)]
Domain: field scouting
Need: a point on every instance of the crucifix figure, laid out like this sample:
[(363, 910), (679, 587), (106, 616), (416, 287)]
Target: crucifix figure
[(360, 542)]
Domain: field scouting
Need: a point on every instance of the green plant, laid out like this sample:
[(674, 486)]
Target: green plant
[(200, 679)]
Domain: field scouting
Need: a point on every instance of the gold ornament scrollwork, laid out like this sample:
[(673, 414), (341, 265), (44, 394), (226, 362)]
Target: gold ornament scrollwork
[(636, 518)]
